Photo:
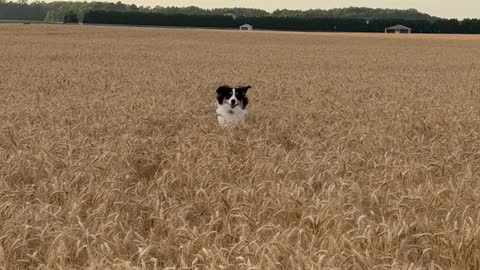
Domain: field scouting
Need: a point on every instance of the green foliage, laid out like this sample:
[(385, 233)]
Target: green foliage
[(70, 17), (357, 13), (192, 10), (351, 19), (150, 18), (22, 11), (280, 23), (56, 11)]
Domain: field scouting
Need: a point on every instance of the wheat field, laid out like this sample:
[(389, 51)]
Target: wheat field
[(361, 151)]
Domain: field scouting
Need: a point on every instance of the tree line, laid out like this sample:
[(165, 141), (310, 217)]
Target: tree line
[(356, 13), (55, 11), (467, 26), (345, 20), (22, 11), (38, 10)]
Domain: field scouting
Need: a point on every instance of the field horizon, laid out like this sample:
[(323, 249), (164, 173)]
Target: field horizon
[(362, 151)]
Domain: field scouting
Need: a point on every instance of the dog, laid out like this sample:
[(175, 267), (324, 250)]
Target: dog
[(232, 104)]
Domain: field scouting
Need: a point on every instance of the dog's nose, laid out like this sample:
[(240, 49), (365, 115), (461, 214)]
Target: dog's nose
[(233, 102)]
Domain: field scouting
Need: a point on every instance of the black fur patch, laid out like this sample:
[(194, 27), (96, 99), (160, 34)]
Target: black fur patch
[(225, 92), (241, 94)]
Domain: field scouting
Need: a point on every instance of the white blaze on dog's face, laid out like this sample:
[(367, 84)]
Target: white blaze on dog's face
[(233, 101)]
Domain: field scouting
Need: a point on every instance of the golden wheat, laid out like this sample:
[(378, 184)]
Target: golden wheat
[(361, 152)]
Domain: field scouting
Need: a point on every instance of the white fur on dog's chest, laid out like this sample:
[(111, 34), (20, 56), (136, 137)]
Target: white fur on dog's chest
[(227, 115)]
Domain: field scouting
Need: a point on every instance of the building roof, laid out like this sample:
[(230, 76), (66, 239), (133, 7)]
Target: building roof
[(246, 25), (399, 27)]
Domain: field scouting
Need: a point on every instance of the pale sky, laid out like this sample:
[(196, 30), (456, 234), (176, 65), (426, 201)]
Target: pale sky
[(442, 8)]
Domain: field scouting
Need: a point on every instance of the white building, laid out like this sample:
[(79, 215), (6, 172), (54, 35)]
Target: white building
[(246, 27), (398, 29)]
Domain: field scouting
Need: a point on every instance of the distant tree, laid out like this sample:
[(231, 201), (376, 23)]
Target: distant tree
[(471, 26), (446, 26), (70, 17), (22, 2)]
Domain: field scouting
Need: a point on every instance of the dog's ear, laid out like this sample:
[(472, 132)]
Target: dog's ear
[(243, 89), (222, 92), (223, 89)]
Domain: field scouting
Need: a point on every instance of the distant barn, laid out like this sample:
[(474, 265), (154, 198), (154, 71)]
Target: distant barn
[(398, 29), (246, 27)]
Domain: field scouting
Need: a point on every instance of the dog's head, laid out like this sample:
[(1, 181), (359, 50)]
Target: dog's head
[(233, 96)]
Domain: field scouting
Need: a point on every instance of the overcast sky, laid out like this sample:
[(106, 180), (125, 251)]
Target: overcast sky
[(442, 8)]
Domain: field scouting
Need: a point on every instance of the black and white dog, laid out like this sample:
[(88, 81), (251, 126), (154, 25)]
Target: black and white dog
[(232, 104)]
